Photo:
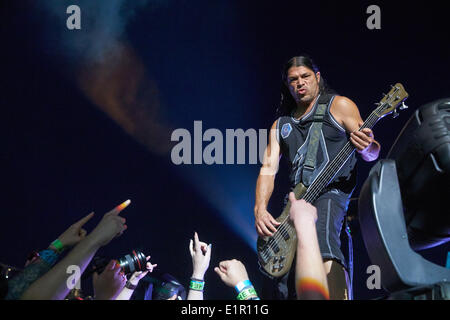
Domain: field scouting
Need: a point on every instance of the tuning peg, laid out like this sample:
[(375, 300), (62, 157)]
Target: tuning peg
[(394, 114), (403, 106)]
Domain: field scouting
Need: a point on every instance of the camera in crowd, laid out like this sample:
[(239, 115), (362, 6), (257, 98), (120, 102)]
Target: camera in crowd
[(130, 263)]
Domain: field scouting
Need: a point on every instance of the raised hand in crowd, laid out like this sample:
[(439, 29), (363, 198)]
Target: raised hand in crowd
[(234, 274), (231, 272), (133, 281), (310, 277), (74, 234), (54, 285), (111, 226), (108, 284), (38, 263), (201, 256)]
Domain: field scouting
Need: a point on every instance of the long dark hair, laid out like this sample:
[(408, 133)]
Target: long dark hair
[(287, 103)]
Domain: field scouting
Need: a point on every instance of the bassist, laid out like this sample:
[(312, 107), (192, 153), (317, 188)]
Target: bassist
[(306, 100)]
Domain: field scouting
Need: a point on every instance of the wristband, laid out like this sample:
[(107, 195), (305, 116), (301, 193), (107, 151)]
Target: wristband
[(130, 286), (58, 245), (242, 285), (48, 256), (197, 285), (248, 294)]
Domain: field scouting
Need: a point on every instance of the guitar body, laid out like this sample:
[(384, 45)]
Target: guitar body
[(276, 253)]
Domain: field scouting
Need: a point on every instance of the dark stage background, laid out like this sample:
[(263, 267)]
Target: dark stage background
[(87, 114)]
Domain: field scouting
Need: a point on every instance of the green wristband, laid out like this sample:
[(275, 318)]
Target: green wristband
[(247, 294), (197, 285), (58, 245)]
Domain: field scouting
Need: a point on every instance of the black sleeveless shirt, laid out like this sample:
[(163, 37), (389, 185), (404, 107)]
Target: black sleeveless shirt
[(293, 137)]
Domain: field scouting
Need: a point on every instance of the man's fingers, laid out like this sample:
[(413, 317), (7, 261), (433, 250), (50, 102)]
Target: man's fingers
[(203, 247), (368, 132), (82, 233), (83, 220), (362, 138), (221, 274), (224, 265), (117, 268), (208, 251), (150, 266), (143, 274), (271, 227), (356, 144), (292, 197), (191, 247), (111, 265), (360, 142), (264, 229), (122, 230), (258, 230), (274, 222), (271, 223), (196, 242), (119, 208)]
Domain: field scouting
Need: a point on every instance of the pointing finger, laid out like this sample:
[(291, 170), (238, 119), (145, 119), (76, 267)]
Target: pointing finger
[(82, 221), (119, 208), (196, 242)]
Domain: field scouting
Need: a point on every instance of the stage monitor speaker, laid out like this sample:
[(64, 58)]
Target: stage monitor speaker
[(403, 204), (422, 157)]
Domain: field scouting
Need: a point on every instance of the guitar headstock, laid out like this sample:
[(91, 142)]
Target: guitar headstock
[(395, 98)]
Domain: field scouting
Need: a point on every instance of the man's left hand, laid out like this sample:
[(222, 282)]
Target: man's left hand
[(362, 140)]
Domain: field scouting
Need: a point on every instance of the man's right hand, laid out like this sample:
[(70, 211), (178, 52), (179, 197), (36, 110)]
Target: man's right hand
[(265, 223)]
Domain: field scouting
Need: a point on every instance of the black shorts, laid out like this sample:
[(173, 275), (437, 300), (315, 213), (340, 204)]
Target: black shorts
[(331, 212)]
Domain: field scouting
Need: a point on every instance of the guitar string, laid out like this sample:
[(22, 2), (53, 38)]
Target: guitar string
[(334, 165)]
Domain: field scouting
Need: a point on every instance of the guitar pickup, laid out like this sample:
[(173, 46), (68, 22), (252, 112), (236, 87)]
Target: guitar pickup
[(286, 235), (274, 246)]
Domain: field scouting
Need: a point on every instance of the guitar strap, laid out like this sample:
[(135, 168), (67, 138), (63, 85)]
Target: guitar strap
[(313, 145), (310, 165)]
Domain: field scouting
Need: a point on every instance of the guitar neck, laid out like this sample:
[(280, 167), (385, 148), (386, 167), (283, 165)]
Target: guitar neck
[(327, 175)]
